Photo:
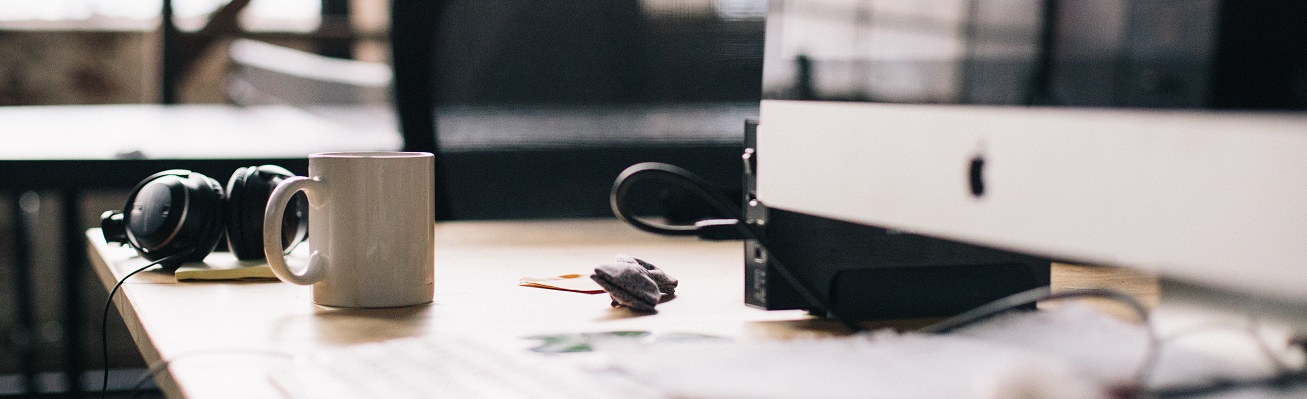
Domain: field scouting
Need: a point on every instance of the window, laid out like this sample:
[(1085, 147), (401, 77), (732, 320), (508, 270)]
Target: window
[(267, 15)]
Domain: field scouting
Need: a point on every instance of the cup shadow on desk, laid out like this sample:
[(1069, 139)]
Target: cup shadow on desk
[(390, 313), (355, 325)]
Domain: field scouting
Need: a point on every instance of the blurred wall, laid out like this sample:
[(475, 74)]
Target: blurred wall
[(39, 67)]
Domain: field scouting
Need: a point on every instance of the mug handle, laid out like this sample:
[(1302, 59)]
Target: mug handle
[(272, 218)]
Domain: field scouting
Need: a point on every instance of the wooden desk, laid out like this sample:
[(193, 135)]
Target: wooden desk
[(477, 267)]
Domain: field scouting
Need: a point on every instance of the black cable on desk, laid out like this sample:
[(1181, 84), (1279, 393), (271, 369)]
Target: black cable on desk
[(687, 180), (104, 317), (1286, 377), (733, 228), (1031, 296), (1284, 381), (1028, 297)]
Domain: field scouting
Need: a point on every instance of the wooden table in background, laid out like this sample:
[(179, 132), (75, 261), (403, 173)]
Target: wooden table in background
[(217, 334), (68, 149)]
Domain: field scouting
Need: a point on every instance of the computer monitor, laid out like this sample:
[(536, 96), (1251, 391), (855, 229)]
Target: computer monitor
[(1168, 136)]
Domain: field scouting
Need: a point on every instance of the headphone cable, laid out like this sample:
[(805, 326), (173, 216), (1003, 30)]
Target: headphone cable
[(104, 317)]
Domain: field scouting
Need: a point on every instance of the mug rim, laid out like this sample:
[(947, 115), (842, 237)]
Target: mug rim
[(370, 154)]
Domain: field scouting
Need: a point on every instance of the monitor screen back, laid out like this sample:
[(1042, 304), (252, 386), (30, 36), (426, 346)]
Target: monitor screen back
[(1163, 135)]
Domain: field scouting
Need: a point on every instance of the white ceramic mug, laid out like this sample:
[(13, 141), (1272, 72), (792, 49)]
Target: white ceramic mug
[(371, 228)]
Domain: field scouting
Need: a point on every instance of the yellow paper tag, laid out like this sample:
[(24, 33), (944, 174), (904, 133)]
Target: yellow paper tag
[(567, 282)]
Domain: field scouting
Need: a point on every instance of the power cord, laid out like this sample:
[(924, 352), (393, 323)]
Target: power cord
[(1285, 381), (1250, 330), (1031, 296), (732, 228), (1285, 376), (104, 317)]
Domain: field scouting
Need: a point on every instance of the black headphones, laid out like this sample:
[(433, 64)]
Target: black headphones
[(179, 211)]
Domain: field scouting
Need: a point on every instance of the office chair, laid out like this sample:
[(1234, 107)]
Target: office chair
[(534, 108), (263, 73), (352, 93)]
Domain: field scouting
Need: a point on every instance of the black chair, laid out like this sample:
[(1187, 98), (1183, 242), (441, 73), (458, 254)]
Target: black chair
[(535, 107)]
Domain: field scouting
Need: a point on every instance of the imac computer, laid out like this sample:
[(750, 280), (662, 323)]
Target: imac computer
[(1163, 135)]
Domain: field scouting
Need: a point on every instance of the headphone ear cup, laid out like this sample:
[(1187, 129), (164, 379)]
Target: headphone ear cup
[(247, 199), (174, 212)]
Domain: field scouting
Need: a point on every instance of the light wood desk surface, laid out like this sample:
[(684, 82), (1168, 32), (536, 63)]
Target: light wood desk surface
[(210, 330)]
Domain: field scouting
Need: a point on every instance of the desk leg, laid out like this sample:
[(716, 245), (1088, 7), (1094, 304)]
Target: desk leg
[(23, 336), (74, 264)]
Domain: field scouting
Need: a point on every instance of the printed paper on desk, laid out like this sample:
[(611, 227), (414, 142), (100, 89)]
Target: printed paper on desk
[(1072, 351), (880, 366)]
